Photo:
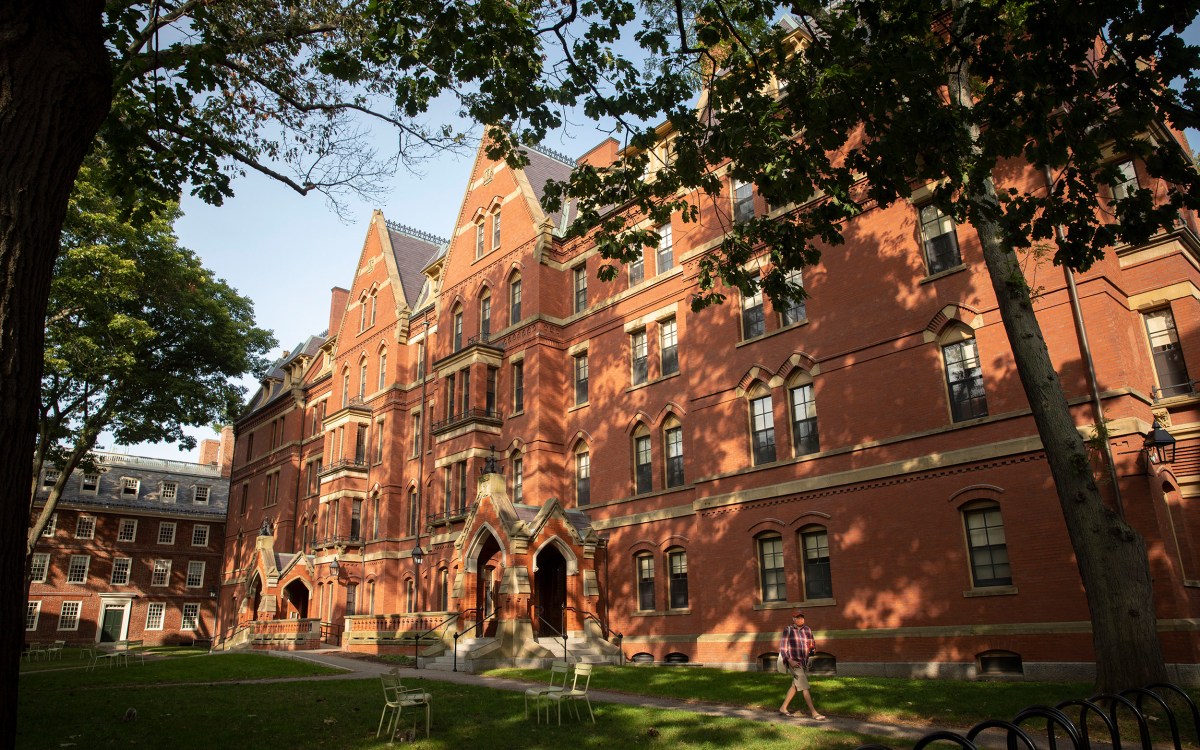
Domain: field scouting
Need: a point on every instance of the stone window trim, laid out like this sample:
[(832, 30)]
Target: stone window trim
[(68, 618)]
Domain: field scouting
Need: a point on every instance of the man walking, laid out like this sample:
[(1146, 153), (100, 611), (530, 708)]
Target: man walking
[(795, 647)]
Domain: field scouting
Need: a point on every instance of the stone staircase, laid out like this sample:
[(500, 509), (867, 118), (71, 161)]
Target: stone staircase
[(579, 650), (470, 651)]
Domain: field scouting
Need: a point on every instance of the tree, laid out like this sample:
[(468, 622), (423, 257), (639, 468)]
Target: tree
[(141, 339)]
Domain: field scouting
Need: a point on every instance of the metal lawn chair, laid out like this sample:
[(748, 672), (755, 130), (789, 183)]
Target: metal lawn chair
[(558, 683), (395, 699), (575, 694)]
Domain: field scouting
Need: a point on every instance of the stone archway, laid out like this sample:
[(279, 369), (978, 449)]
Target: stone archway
[(297, 596), (550, 591), (488, 562)]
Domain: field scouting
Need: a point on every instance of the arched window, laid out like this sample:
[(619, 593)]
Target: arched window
[(362, 313), (410, 596), (412, 511), (362, 377), (762, 425), (374, 305), (382, 368), (814, 545), (514, 300), (480, 233), (583, 475), (673, 450), (986, 544), (964, 376), (643, 564), (771, 574), (485, 314), (516, 466), (496, 230), (345, 386), (642, 462), (677, 569), (802, 403), (371, 598), (443, 590), (458, 328)]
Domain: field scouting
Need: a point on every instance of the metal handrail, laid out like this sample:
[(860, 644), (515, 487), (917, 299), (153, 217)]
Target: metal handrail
[(417, 640), (343, 463), (454, 514), (484, 338), (467, 415), (1184, 388), (476, 627), (539, 610), (586, 615)]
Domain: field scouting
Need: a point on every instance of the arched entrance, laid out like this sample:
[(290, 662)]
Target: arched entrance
[(550, 590), (254, 596), (296, 594), (487, 580)]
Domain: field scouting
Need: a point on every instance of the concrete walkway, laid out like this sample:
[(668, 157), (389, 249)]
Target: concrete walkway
[(357, 669)]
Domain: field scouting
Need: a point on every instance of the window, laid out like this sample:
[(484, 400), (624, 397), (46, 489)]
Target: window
[(127, 531), (637, 352), (379, 441), (637, 269), (39, 566), (485, 317), (345, 386), (514, 302), (362, 377), (154, 615), (351, 599), (166, 532), (677, 563), (360, 444), (458, 329), (200, 535), (964, 379), (460, 469), (410, 596), (48, 530), (753, 323), (68, 616), (191, 617), (496, 230), (420, 359), (374, 305), (668, 346), (518, 371), (416, 431), (50, 477), (666, 249), (1127, 182), (645, 582), (743, 201), (1169, 367), (160, 574), (130, 487), (250, 446), (466, 389), (245, 498), (480, 234), (413, 512), (382, 370), (489, 390), (518, 472), (362, 313), (762, 429), (200, 496), (673, 439), (443, 590), (817, 581), (90, 483), (770, 569), (583, 476), (579, 274), (941, 240), (85, 527), (643, 470), (120, 571), (195, 574), (356, 519), (32, 612), (805, 436), (78, 569), (986, 545), (169, 491), (794, 311), (581, 378)]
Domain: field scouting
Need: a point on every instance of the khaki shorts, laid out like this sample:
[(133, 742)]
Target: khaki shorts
[(799, 676)]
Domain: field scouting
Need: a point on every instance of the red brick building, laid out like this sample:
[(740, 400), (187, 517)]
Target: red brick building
[(133, 550), (596, 458)]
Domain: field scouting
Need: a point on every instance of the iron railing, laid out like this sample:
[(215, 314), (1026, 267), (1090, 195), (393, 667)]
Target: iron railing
[(1170, 390), (417, 639), (477, 627), (487, 416), (359, 464)]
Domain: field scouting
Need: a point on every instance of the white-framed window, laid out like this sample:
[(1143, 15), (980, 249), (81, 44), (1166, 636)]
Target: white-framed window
[(195, 574), (68, 616), (639, 358), (191, 617), (806, 437), (637, 269), (78, 569), (120, 571), (753, 321), (581, 378), (33, 610), (771, 573), (200, 496), (127, 532), (90, 482), (50, 477), (794, 312), (160, 574), (169, 491), (645, 581), (762, 426), (39, 566), (130, 487), (154, 615), (480, 234), (85, 527), (200, 535), (1127, 182), (818, 581), (496, 230), (51, 525), (986, 545), (743, 201), (964, 376), (166, 532), (665, 257), (1167, 354), (941, 240), (518, 475), (668, 346), (678, 582), (579, 276), (583, 476)]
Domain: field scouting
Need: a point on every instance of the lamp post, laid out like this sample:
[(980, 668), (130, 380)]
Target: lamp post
[(1159, 445), (418, 555)]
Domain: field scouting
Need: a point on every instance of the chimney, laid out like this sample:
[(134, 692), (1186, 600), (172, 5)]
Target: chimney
[(210, 451), (602, 155), (225, 453), (337, 307)]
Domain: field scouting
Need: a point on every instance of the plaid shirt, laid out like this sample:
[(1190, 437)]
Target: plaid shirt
[(797, 644)]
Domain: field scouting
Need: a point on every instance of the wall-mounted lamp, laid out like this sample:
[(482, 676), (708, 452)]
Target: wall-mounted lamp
[(334, 566), (1159, 445), (212, 592), (418, 555)]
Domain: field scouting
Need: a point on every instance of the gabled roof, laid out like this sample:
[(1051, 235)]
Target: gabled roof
[(545, 165), (413, 250), (271, 388)]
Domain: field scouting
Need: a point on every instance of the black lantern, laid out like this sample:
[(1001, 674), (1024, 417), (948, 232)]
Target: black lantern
[(1159, 445), (418, 555), (334, 565)]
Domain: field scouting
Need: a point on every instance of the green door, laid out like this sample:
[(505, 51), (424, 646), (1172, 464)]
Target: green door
[(110, 630)]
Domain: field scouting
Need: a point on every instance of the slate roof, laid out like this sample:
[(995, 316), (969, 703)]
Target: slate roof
[(276, 375), (545, 165), (413, 250), (577, 518), (151, 473)]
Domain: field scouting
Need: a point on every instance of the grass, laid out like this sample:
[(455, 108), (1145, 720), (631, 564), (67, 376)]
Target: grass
[(71, 673)]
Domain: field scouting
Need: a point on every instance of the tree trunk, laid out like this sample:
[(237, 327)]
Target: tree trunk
[(55, 90)]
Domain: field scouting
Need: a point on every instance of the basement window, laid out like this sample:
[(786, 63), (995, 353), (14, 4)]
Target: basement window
[(999, 664)]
